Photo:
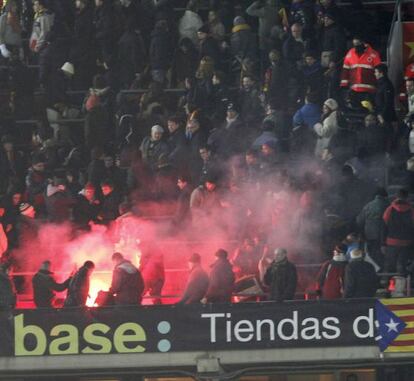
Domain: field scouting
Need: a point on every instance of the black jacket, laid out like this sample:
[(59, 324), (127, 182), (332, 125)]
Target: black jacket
[(282, 279), (361, 280), (127, 284), (221, 282), (160, 52), (196, 287), (78, 289), (384, 100), (7, 294), (334, 40), (44, 287)]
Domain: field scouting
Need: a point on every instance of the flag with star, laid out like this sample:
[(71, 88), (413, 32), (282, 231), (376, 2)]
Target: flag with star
[(408, 43), (395, 324)]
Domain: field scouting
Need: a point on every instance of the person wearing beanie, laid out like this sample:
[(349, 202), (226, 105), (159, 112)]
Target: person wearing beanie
[(361, 280), (197, 282), (327, 128), (281, 277), (221, 282), (209, 47), (45, 286), (152, 147), (330, 280), (242, 40)]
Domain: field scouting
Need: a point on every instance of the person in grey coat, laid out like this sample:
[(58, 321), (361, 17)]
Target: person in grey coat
[(371, 224), (197, 282), (152, 147)]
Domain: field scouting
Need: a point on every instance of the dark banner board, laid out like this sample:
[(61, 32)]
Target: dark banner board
[(186, 328)]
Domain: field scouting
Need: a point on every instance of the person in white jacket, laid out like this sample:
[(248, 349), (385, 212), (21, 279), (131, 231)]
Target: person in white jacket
[(190, 23), (328, 128)]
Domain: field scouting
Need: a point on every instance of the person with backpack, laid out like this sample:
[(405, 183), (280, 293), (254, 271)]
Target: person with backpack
[(399, 235), (78, 289)]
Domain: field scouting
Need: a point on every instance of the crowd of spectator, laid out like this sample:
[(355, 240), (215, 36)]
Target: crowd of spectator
[(270, 119)]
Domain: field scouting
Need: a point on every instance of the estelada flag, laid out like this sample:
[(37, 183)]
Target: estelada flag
[(395, 324), (408, 43)]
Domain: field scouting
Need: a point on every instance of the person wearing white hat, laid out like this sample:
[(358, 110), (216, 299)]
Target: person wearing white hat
[(328, 128), (152, 147), (68, 69)]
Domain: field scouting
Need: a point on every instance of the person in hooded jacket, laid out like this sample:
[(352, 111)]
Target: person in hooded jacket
[(127, 284), (281, 277), (78, 289), (45, 286), (242, 40), (221, 282), (331, 275), (160, 51), (399, 237), (197, 282)]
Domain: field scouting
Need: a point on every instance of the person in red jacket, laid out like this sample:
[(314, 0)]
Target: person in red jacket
[(331, 275), (358, 72), (399, 237)]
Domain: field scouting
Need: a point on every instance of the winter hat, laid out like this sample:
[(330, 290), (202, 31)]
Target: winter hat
[(204, 29), (68, 68), (232, 107), (221, 253), (157, 128), (239, 20), (339, 253), (330, 14), (194, 258), (280, 254), (356, 254), (331, 103), (24, 208)]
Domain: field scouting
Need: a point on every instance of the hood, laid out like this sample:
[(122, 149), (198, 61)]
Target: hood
[(401, 205), (238, 28), (128, 267)]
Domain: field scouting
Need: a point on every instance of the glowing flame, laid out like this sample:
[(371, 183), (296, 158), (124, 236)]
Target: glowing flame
[(97, 284)]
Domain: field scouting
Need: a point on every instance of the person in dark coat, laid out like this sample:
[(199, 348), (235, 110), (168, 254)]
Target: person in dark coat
[(221, 282), (197, 282), (127, 284), (160, 52), (176, 141), (251, 110), (361, 280), (83, 54), (372, 226), (384, 97), (331, 275), (59, 201), (152, 147), (110, 202), (196, 138), (105, 31), (7, 292), (86, 209), (208, 45), (374, 137), (333, 41), (57, 86), (45, 286), (185, 62), (153, 271), (275, 80), (281, 277), (78, 289), (182, 215), (312, 74), (399, 237), (243, 41)]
